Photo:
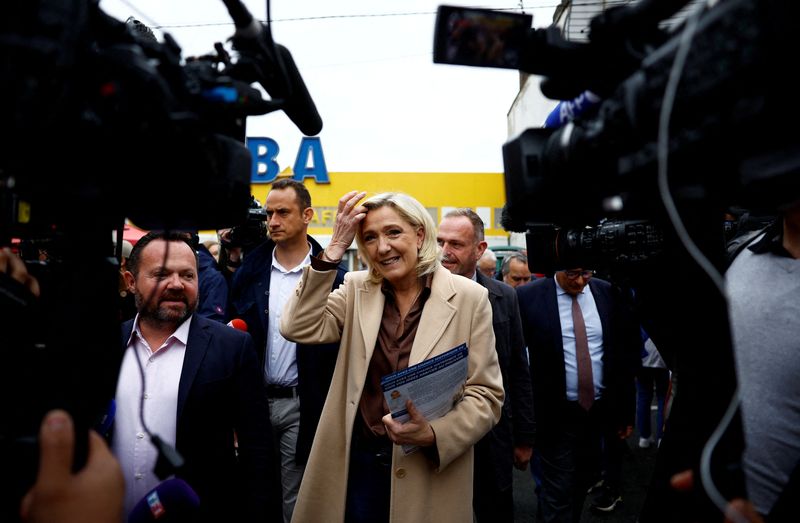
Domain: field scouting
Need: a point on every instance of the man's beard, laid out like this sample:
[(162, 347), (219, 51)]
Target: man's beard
[(156, 313)]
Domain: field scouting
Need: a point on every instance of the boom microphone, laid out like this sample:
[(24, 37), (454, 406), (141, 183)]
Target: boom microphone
[(299, 106), (275, 69), (171, 501)]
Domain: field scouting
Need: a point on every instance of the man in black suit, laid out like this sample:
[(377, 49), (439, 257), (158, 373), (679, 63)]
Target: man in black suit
[(461, 238), (197, 386), (298, 376), (583, 348)]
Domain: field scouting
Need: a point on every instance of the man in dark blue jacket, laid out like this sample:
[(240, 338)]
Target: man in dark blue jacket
[(297, 376), (213, 287), (584, 345)]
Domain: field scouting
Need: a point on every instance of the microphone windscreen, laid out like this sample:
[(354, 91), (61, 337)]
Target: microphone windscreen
[(300, 108), (238, 324), (170, 501)]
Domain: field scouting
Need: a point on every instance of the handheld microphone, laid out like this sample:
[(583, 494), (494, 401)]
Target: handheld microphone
[(171, 501), (566, 111), (238, 324)]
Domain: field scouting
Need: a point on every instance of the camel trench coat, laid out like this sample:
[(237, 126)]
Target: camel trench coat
[(457, 311)]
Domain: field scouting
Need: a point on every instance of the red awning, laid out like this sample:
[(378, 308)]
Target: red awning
[(132, 233)]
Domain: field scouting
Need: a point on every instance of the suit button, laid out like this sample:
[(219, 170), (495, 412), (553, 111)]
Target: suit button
[(400, 473)]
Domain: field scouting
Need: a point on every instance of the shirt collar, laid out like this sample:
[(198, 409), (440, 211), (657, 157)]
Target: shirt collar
[(427, 281), (560, 291), (277, 265), (771, 241), (181, 334)]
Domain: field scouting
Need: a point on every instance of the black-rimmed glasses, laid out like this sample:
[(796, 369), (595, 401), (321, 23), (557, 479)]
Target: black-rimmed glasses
[(573, 275)]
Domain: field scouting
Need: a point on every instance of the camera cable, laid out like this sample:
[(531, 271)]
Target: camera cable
[(717, 279)]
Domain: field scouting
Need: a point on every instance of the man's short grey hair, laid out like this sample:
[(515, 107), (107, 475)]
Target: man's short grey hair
[(488, 253), (506, 267), (474, 219)]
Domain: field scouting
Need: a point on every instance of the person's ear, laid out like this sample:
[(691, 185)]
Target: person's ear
[(308, 214), (130, 281)]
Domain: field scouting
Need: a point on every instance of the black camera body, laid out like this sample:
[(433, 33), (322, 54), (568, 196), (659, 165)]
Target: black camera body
[(100, 124), (727, 144), (130, 131), (621, 245), (252, 232)]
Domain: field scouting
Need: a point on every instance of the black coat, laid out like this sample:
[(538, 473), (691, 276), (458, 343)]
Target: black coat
[(221, 391), (249, 300), (516, 425)]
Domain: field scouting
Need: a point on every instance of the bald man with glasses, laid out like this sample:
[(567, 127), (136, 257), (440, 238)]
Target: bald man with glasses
[(584, 346)]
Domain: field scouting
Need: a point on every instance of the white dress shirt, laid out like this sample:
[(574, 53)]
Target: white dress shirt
[(162, 374), (280, 365), (594, 335)]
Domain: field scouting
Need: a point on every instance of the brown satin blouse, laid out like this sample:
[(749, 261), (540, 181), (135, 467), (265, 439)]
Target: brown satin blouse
[(392, 350)]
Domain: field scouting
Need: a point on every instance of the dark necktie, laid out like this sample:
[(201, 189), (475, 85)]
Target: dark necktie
[(584, 361)]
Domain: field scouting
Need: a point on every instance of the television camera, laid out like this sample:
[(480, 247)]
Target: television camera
[(252, 232), (726, 142), (103, 123), (686, 124)]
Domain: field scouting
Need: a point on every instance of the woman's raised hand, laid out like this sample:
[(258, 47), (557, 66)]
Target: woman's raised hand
[(349, 214)]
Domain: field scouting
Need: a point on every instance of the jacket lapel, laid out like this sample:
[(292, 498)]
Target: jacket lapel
[(436, 316), (127, 329), (601, 301), (369, 304), (196, 347), (493, 294), (551, 298)]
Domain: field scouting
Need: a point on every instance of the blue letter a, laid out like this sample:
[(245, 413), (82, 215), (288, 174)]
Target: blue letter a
[(318, 171)]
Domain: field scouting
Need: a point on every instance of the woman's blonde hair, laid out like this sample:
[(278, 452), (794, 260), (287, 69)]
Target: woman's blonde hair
[(418, 217)]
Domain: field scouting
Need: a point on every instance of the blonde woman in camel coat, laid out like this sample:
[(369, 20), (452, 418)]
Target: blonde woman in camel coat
[(397, 237)]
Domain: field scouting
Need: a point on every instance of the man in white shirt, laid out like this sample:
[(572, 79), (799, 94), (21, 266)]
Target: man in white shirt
[(196, 385), (584, 347), (297, 376)]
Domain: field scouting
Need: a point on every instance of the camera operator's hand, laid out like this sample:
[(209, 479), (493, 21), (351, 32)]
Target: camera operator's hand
[(14, 267), (59, 496), (737, 510), (231, 255), (348, 216)]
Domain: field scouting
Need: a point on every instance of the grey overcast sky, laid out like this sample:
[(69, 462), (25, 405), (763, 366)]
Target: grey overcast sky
[(368, 66)]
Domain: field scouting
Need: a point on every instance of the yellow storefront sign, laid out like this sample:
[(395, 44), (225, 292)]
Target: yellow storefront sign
[(438, 192)]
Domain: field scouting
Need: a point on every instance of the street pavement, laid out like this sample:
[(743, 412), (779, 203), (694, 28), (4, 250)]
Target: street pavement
[(637, 469)]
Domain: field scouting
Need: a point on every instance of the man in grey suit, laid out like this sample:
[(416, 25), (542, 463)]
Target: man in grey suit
[(461, 239)]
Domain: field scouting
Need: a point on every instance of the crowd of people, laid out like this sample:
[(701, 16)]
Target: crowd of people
[(288, 420)]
